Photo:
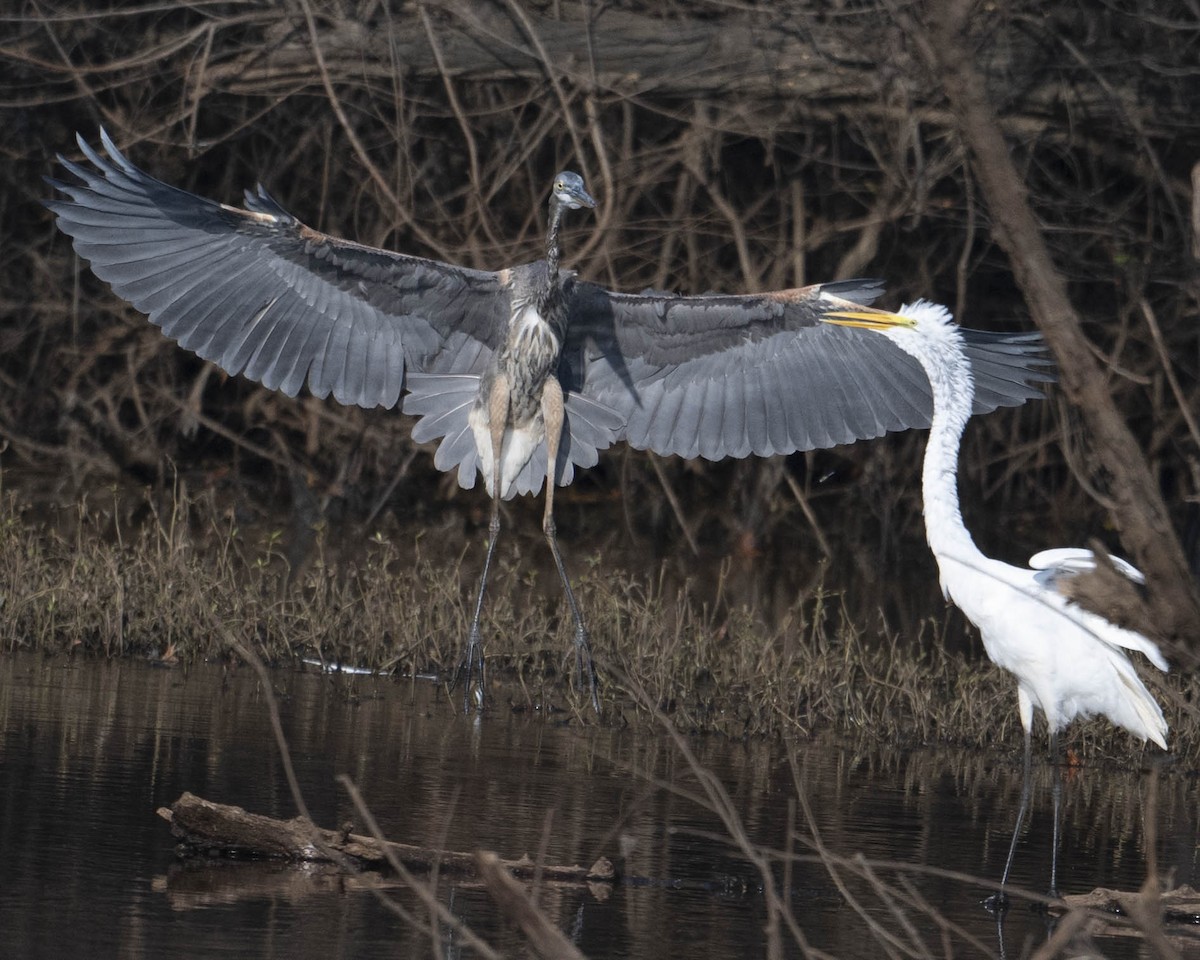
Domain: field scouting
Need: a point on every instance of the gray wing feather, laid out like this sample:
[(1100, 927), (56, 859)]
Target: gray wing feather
[(856, 395), (459, 448), (665, 415), (687, 419), (717, 408), (257, 292), (720, 376), (440, 402), (1003, 366), (710, 409), (756, 414), (779, 431)]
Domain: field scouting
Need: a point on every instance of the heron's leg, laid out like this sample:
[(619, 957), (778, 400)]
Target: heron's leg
[(497, 406), (1000, 935), (998, 902), (552, 416), (1057, 810)]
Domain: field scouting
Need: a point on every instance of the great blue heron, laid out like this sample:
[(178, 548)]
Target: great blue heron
[(1068, 661), (525, 373)]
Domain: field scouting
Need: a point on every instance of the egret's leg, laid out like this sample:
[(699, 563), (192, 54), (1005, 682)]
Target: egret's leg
[(497, 406), (999, 901), (552, 416), (1057, 808)]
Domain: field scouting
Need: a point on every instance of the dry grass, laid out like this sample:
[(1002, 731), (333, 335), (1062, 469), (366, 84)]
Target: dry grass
[(170, 579)]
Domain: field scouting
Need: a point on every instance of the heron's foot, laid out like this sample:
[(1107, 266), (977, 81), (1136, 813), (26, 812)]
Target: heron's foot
[(997, 903), (470, 670), (585, 668)]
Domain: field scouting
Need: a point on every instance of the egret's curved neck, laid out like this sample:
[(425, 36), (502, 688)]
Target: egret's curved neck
[(953, 395)]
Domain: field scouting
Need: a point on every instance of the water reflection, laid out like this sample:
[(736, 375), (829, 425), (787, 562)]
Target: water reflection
[(90, 750)]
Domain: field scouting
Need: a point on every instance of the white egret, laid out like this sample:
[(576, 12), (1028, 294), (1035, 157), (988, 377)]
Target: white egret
[(1068, 661)]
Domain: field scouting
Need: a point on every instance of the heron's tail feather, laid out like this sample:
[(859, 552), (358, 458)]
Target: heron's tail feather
[(591, 426), (443, 403)]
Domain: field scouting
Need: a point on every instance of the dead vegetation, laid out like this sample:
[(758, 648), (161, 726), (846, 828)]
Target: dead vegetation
[(754, 148), (182, 580)]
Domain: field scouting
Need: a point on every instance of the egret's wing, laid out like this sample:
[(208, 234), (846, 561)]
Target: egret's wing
[(1051, 569), (1130, 640), (257, 292), (720, 376), (1061, 562)]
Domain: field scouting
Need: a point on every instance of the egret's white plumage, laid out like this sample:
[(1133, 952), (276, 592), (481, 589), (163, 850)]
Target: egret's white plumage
[(1068, 662), (1061, 563)]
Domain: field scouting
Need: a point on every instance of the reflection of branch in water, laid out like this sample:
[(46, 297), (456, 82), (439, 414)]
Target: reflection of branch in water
[(888, 896), (205, 826), (512, 900), (427, 892), (199, 884)]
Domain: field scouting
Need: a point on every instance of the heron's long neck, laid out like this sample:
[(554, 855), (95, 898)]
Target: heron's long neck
[(549, 294), (552, 251), (953, 395)]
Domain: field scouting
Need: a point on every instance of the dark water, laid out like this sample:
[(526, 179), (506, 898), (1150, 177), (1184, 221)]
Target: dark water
[(89, 750)]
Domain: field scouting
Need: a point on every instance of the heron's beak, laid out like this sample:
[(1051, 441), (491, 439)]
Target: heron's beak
[(581, 198), (868, 319)]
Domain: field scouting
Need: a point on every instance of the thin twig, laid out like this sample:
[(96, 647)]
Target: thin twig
[(1164, 357), (425, 892), (361, 151)]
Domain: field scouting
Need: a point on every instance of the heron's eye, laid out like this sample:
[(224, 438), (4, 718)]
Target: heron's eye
[(560, 186)]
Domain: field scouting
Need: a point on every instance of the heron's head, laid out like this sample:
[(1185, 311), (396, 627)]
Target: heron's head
[(570, 192)]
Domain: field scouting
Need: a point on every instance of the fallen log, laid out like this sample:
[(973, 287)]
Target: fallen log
[(204, 828), (1178, 906)]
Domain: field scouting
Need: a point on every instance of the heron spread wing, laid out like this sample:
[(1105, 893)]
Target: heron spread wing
[(261, 294), (258, 293), (729, 376)]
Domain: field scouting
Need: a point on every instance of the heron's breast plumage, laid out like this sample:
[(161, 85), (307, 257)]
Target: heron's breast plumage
[(530, 355)]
